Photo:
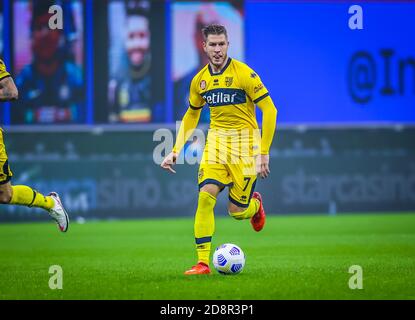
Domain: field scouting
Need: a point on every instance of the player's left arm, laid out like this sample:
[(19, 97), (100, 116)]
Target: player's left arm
[(269, 123), (260, 96)]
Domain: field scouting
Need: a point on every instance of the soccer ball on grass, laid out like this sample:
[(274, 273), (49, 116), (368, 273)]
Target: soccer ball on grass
[(228, 259)]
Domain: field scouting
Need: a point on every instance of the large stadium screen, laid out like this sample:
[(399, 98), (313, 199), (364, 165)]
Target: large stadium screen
[(1, 29), (48, 63), (321, 70), (135, 66), (188, 57)]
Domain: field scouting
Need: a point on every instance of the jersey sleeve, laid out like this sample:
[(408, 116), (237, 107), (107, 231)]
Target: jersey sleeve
[(254, 87), (195, 100), (3, 71)]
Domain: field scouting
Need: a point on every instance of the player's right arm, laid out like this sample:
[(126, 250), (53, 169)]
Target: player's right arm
[(189, 123), (187, 126), (8, 90)]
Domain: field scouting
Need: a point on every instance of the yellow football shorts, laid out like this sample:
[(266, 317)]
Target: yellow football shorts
[(239, 175), (5, 172)]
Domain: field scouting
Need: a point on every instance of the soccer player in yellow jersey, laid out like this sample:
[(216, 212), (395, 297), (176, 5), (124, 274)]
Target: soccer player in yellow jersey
[(24, 195), (234, 154)]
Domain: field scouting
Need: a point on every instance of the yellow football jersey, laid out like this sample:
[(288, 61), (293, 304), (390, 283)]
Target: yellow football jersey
[(5, 172), (231, 96), (3, 71)]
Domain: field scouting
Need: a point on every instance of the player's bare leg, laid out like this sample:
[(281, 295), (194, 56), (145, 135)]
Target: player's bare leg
[(5, 193)]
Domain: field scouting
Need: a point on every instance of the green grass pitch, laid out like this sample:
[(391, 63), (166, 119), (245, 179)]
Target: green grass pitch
[(294, 257)]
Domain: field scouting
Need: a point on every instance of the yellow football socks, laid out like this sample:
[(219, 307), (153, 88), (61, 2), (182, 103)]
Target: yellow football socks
[(204, 225), (248, 212), (26, 196)]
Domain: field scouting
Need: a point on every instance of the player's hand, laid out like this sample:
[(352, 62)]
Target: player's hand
[(262, 165), (169, 162)]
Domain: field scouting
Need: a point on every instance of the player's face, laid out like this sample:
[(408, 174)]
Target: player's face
[(138, 39), (216, 48)]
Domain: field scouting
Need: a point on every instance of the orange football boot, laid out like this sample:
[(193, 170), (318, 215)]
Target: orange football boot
[(258, 219), (200, 268)]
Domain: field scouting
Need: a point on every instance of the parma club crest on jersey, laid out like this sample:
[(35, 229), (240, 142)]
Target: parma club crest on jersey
[(228, 81)]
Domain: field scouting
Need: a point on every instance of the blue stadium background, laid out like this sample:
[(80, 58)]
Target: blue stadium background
[(346, 109)]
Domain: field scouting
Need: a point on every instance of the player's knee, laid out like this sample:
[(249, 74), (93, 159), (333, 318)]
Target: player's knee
[(5, 196), (212, 189)]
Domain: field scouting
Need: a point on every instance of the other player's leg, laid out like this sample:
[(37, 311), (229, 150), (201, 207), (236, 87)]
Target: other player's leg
[(26, 196)]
